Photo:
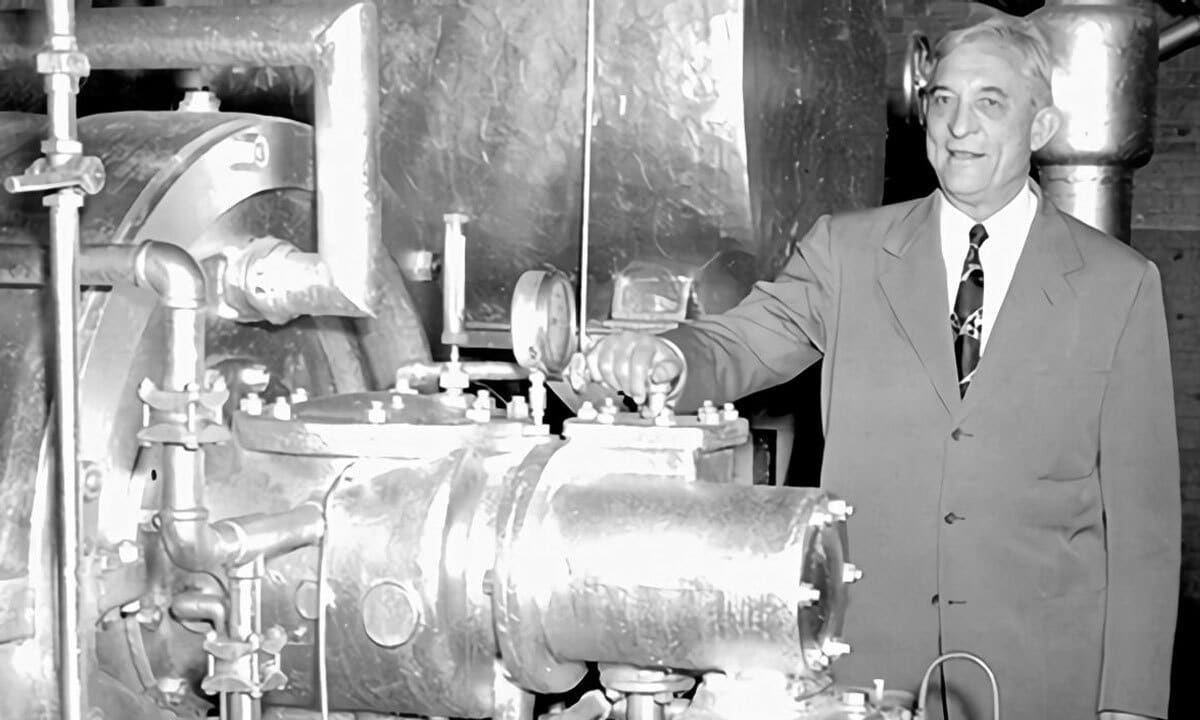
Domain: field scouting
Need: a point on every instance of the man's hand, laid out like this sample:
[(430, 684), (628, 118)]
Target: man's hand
[(1109, 715), (631, 362)]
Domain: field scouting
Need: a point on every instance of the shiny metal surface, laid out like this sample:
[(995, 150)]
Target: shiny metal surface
[(467, 536), (717, 126), (167, 171), (1104, 82), (1177, 37), (666, 574), (340, 46)]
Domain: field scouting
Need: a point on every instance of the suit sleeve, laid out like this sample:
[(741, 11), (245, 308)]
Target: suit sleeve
[(776, 332), (1139, 476)]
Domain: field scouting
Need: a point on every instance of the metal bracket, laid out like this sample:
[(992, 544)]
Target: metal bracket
[(254, 678), (200, 425), (82, 171)]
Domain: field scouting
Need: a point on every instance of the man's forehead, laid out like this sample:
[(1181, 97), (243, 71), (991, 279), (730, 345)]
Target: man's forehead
[(981, 62)]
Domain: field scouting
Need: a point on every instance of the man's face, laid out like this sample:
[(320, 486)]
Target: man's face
[(981, 125)]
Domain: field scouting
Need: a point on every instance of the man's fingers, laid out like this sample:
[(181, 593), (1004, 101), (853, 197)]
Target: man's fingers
[(666, 369), (641, 363)]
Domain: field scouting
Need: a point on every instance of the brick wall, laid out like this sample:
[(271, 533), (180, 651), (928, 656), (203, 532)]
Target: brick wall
[(1166, 227)]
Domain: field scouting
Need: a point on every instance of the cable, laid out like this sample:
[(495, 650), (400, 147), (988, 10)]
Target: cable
[(323, 596), (589, 102), (920, 715)]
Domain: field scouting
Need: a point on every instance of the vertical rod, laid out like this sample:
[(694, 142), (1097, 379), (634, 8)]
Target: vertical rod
[(245, 605), (64, 236), (589, 102), (62, 146)]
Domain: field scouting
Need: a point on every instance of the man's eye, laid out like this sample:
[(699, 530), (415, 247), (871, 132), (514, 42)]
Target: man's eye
[(990, 102), (941, 99)]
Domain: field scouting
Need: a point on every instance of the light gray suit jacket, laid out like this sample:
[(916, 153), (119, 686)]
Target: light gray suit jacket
[(1035, 522)]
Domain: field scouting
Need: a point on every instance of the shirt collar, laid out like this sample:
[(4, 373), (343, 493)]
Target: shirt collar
[(1008, 221)]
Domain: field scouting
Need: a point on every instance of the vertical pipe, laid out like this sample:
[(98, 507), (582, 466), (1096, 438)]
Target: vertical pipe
[(64, 241), (454, 280), (245, 603), (61, 147), (346, 152)]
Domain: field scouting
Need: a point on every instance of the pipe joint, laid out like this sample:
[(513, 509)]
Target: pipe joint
[(172, 273), (273, 280), (263, 536)]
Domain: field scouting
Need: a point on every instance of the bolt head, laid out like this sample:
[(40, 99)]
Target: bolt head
[(851, 573)]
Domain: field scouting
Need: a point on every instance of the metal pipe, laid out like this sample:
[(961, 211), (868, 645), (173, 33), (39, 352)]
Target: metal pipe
[(1177, 37), (1105, 84), (339, 44), (424, 375), (64, 239), (245, 622), (202, 607), (265, 536), (175, 276), (1100, 195), (62, 66)]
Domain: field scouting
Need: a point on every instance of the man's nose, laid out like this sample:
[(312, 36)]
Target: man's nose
[(962, 121)]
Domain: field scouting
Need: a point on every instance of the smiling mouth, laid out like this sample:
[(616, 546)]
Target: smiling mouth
[(964, 155)]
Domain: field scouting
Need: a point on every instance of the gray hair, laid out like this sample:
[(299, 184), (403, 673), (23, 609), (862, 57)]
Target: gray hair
[(1021, 35)]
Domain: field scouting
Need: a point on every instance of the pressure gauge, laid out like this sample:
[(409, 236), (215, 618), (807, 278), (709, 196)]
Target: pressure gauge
[(543, 323)]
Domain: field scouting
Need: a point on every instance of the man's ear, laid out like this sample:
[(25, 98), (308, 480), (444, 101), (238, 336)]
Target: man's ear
[(1046, 123)]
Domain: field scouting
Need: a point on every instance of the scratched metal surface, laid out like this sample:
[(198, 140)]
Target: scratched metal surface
[(719, 125)]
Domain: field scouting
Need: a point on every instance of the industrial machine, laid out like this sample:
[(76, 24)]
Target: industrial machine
[(235, 481)]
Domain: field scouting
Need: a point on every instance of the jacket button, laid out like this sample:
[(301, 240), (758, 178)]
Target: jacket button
[(957, 434), (951, 518), (933, 600)]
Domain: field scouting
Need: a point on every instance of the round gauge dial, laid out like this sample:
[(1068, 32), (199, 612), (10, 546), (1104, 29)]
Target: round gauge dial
[(543, 323)]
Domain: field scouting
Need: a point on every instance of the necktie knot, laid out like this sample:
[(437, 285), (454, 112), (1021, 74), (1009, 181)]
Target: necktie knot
[(978, 235)]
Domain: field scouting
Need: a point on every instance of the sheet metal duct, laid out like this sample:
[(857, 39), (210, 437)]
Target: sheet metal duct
[(720, 127)]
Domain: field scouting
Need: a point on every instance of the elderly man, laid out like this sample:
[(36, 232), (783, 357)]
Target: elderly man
[(997, 403)]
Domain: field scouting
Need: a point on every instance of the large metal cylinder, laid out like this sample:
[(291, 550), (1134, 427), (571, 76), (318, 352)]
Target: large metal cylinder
[(456, 543), (1104, 83)]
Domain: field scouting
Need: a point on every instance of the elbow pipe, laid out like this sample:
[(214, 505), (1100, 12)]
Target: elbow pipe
[(1177, 37), (340, 45), (173, 274), (200, 607)]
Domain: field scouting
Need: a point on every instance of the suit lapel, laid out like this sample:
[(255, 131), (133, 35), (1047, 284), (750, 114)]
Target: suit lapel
[(912, 276), (1038, 295)]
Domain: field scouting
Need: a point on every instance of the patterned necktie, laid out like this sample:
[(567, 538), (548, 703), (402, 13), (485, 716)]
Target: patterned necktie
[(966, 320)]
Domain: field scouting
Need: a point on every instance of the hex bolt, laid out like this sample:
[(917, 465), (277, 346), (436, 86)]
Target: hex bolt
[(128, 552), (397, 401), (729, 412), (299, 395), (518, 408), (252, 404), (665, 418), (820, 519), (834, 648), (483, 400), (808, 595), (840, 509), (851, 573), (376, 415), (281, 410), (93, 481), (587, 411)]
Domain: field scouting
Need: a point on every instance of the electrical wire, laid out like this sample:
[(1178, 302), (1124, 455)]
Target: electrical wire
[(589, 102), (959, 655), (323, 595)]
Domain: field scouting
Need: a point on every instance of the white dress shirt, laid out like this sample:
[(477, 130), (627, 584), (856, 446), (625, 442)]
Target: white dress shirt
[(1007, 231)]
